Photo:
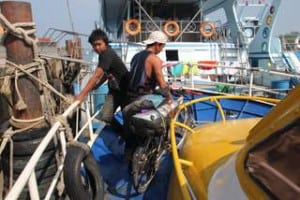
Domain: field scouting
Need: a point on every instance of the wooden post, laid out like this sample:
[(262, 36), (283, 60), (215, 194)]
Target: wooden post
[(19, 52)]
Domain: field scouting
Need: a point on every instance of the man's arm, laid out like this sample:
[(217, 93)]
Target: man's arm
[(157, 70), (91, 84), (156, 64)]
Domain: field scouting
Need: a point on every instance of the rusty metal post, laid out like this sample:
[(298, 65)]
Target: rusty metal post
[(73, 48), (19, 52)]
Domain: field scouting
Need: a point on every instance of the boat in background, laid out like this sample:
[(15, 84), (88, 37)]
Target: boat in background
[(212, 43)]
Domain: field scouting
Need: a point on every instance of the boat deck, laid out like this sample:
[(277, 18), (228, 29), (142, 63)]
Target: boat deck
[(108, 150)]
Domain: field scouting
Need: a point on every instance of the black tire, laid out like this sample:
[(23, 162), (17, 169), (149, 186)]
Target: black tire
[(19, 162), (44, 172), (24, 146), (31, 134), (143, 167), (40, 182), (27, 148), (93, 187), (43, 186), (49, 171), (43, 189)]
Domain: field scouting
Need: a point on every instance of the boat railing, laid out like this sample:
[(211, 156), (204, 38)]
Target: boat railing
[(198, 75), (185, 129), (65, 43), (186, 30), (61, 133)]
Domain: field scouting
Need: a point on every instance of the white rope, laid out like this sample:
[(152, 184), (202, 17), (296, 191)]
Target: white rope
[(6, 135), (49, 104), (21, 33), (30, 68), (21, 105), (41, 82), (65, 124), (7, 138), (27, 120), (5, 89)]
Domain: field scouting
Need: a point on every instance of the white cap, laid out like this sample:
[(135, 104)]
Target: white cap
[(156, 36)]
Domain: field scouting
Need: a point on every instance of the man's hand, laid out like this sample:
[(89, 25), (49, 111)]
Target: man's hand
[(90, 84), (70, 99), (79, 98)]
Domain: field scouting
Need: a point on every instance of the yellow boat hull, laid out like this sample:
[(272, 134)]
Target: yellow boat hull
[(208, 148)]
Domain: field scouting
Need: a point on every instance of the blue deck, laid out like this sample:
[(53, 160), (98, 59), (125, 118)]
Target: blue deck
[(108, 150)]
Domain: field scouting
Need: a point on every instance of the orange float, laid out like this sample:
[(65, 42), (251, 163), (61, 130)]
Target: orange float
[(268, 20), (132, 27), (171, 28), (207, 29)]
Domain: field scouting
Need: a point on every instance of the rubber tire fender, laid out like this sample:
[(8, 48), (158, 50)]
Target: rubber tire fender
[(31, 134), (28, 147), (76, 155), (19, 162)]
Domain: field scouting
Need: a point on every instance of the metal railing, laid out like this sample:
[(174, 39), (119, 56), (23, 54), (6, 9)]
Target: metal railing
[(28, 177), (245, 77)]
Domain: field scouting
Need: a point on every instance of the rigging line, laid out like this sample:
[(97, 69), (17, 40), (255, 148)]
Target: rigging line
[(70, 15)]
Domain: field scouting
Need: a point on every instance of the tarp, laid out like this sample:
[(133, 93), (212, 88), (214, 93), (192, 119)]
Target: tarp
[(108, 150)]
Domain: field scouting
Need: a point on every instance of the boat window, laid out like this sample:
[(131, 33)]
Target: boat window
[(254, 62), (172, 55), (274, 163)]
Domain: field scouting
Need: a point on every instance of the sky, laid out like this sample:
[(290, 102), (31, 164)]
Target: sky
[(54, 14), (85, 13)]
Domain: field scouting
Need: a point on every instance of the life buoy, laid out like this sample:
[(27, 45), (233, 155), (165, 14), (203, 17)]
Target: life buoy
[(268, 20), (207, 64), (132, 27), (207, 29), (171, 28), (78, 153)]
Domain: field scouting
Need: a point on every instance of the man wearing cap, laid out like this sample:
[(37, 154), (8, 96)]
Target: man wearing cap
[(146, 69), (145, 75)]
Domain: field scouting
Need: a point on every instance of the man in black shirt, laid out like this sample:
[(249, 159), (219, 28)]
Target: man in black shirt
[(111, 68)]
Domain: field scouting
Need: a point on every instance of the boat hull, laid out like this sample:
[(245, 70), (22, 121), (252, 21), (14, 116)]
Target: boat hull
[(209, 148)]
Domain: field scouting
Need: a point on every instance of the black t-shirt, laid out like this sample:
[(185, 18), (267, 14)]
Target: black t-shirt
[(111, 63)]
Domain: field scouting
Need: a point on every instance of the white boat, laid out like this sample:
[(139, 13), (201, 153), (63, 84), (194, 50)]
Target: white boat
[(228, 41)]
